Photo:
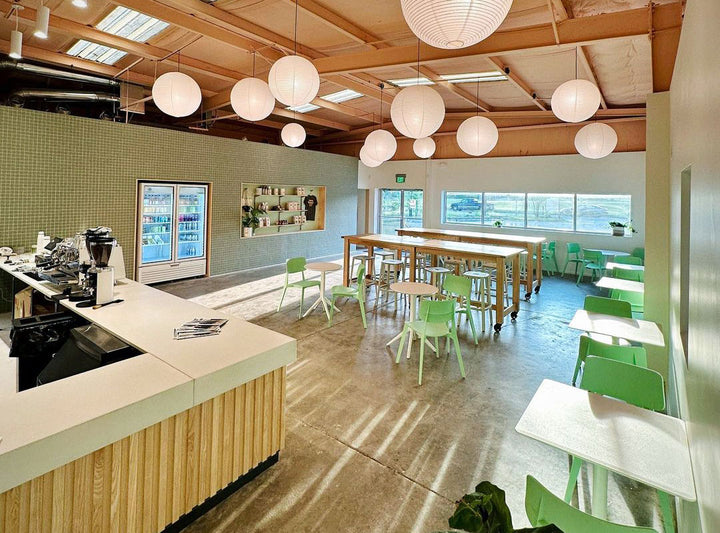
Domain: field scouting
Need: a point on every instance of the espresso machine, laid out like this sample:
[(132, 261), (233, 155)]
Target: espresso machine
[(98, 280)]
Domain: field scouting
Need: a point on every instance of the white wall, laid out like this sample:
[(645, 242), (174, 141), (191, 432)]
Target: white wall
[(622, 173)]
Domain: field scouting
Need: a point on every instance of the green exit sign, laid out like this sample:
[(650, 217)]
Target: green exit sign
[(400, 178)]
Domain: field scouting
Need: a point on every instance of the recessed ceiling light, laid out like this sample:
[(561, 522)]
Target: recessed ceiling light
[(305, 108), (342, 96), (475, 77), (96, 52), (407, 82), (80, 3)]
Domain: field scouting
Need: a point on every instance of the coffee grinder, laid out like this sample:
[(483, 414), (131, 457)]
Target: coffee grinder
[(98, 278)]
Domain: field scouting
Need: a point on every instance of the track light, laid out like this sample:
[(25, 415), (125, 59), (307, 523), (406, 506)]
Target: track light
[(16, 36), (42, 22)]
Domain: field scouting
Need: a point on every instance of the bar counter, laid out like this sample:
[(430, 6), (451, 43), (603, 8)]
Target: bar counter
[(144, 443)]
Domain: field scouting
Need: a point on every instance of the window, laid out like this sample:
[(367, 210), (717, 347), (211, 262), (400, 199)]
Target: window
[(304, 108), (550, 211), (475, 77), (400, 209), (588, 213)]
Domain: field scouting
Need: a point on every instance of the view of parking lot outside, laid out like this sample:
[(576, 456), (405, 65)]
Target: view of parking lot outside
[(544, 211), (400, 209)]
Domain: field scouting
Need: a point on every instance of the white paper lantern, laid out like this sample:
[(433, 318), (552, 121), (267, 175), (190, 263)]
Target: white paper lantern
[(367, 160), (575, 100), (417, 111), (293, 134), (477, 135), (595, 140), (454, 23), (424, 147), (381, 145), (251, 99), (176, 94), (293, 80)]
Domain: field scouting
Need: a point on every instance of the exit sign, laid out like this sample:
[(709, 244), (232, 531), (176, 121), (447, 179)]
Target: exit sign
[(400, 178)]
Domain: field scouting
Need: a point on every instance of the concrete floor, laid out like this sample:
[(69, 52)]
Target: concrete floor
[(368, 450)]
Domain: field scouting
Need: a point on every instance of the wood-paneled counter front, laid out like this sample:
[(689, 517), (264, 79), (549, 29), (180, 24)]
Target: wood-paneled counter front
[(140, 444)]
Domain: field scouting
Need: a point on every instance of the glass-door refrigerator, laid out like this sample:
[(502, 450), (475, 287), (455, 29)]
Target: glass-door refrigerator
[(172, 231)]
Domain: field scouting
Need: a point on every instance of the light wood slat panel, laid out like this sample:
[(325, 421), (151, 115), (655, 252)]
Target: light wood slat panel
[(149, 479), (283, 372)]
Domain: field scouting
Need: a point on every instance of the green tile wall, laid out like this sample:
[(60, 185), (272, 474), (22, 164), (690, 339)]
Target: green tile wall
[(62, 174)]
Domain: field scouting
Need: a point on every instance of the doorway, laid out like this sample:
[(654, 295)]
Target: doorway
[(400, 208)]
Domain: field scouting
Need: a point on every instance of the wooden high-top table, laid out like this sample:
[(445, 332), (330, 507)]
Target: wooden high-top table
[(533, 278), (496, 255)]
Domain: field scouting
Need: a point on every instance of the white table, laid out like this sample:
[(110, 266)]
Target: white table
[(613, 435), (608, 253), (631, 329), (622, 266), (412, 289), (621, 284), (323, 268)]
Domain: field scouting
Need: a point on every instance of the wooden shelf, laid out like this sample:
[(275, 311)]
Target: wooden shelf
[(276, 200)]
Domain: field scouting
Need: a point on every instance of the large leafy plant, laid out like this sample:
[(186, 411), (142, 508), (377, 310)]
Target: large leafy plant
[(485, 511)]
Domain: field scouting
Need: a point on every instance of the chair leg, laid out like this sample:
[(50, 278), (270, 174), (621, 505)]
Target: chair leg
[(282, 298), (422, 355), (666, 511), (582, 271), (402, 344), (302, 301), (572, 478), (332, 308), (472, 324), (437, 347), (362, 313), (578, 363), (459, 357)]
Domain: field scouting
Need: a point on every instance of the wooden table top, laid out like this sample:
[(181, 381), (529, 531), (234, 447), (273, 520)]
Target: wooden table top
[(450, 247), (621, 284), (504, 237), (638, 443), (323, 267), (630, 329), (413, 288), (376, 239)]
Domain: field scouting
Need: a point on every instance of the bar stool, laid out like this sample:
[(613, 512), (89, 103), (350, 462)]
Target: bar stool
[(493, 280), (481, 287), (457, 266), (421, 263), (437, 273), (369, 261), (391, 271)]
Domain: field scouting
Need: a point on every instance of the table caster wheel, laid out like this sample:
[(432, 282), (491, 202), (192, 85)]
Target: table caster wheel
[(498, 327), (513, 315), (527, 296), (537, 289)]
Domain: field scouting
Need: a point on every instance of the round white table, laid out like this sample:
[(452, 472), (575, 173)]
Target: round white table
[(412, 289), (608, 253), (323, 268)]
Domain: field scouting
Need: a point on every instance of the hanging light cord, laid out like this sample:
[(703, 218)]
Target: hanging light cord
[(296, 24), (418, 62), (477, 98), (382, 86)]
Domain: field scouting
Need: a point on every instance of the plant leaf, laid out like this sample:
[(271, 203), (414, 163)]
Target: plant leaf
[(483, 511)]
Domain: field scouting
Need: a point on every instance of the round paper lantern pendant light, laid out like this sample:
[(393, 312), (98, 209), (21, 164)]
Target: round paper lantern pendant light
[(417, 111), (595, 141), (381, 145), (176, 94), (251, 99), (477, 135), (454, 23), (575, 100), (294, 80), (293, 134), (424, 147), (367, 160)]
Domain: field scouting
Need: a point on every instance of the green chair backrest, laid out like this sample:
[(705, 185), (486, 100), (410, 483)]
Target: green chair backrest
[(632, 384), (607, 306), (593, 256), (360, 281), (551, 247), (544, 508), (632, 275), (639, 252), (437, 311), (457, 285), (294, 265), (573, 248), (633, 355), (635, 299), (629, 260)]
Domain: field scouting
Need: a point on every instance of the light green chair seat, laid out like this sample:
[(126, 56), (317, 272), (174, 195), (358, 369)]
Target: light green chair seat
[(459, 289), (305, 283), (544, 508), (432, 329), (296, 265), (342, 291), (355, 291)]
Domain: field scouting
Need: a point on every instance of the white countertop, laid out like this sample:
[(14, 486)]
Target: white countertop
[(45, 427), (638, 443)]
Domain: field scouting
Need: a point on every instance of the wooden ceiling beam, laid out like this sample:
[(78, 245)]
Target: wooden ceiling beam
[(590, 71), (310, 119), (453, 88), (585, 30), (518, 82), (664, 42)]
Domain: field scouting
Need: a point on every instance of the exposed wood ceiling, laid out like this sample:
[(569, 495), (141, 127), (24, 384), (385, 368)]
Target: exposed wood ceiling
[(626, 47)]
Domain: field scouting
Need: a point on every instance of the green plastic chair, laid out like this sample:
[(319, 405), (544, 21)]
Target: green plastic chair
[(639, 252), (633, 355), (628, 260), (294, 266), (632, 384), (549, 259), (594, 262), (572, 256), (544, 508), (635, 299), (459, 288), (632, 275), (356, 291), (437, 319), (607, 306)]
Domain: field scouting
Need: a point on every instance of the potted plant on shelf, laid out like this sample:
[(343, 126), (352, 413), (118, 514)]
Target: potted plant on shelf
[(619, 228), (250, 221)]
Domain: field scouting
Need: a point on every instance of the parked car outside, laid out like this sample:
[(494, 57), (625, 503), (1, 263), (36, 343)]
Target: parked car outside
[(470, 204)]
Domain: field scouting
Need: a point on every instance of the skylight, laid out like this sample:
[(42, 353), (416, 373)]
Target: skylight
[(475, 77), (406, 82), (341, 96), (125, 23), (305, 108)]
